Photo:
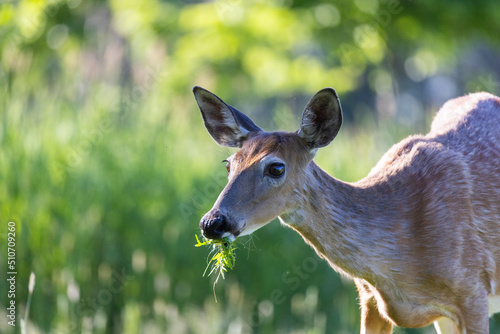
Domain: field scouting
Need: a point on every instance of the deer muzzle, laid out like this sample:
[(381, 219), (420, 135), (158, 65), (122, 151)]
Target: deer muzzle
[(214, 225)]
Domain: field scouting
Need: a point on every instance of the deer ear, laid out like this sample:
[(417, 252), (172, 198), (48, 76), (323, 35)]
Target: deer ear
[(321, 119), (226, 125)]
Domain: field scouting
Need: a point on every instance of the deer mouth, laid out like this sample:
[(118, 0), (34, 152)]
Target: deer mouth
[(216, 225), (232, 235)]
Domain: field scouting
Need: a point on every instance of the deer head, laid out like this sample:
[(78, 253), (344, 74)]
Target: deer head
[(265, 175)]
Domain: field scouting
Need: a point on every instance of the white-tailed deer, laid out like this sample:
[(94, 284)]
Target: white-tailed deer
[(420, 235)]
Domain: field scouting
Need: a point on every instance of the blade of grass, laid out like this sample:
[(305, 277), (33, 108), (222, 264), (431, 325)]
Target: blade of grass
[(220, 257)]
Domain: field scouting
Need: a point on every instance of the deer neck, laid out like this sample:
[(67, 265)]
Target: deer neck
[(347, 224)]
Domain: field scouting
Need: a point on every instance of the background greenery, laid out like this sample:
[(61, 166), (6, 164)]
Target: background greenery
[(106, 169)]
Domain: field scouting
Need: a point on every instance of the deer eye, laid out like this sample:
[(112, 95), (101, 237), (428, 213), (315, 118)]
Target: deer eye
[(228, 165), (276, 169)]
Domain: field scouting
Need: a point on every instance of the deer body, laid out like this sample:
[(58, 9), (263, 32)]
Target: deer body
[(420, 235)]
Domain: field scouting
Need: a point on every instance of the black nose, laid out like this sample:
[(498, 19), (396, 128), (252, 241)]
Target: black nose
[(213, 225)]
